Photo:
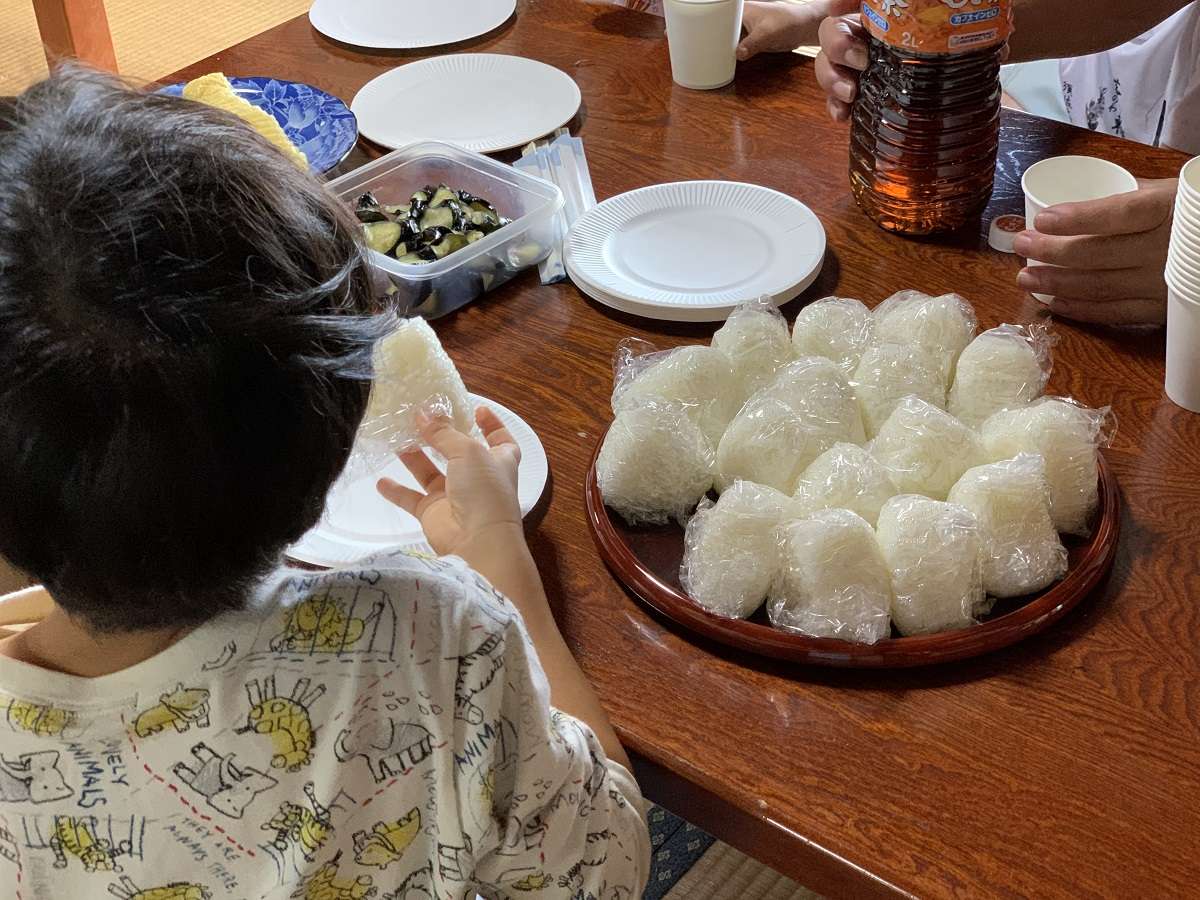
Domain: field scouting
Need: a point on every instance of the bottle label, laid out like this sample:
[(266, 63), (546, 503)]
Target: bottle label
[(943, 27)]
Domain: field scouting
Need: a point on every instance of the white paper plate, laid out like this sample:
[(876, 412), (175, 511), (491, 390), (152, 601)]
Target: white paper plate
[(692, 250), (388, 25), (358, 522), (478, 101)]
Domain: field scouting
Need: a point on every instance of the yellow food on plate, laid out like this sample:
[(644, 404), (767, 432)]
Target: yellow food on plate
[(215, 90)]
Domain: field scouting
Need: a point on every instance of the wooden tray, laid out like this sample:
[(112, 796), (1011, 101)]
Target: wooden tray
[(646, 560)]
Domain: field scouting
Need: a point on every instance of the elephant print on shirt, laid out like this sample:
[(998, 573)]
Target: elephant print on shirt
[(391, 749), (33, 778), (286, 719), (227, 787)]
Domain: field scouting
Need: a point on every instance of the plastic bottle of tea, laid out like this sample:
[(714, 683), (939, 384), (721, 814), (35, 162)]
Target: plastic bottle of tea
[(926, 123)]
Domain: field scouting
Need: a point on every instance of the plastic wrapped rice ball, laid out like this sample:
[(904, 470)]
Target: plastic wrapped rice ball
[(654, 465), (1068, 437), (837, 328), (771, 442), (886, 374), (730, 550), (816, 387), (755, 338), (1022, 552), (844, 477), (925, 449), (935, 553), (698, 378), (1004, 368), (832, 580), (941, 326), (414, 374)]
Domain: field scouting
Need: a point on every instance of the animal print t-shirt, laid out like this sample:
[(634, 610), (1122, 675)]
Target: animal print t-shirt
[(379, 733)]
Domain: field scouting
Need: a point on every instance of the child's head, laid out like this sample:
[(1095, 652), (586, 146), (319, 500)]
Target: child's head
[(183, 343)]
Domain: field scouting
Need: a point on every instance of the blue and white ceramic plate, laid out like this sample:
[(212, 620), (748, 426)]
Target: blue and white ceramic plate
[(320, 124)]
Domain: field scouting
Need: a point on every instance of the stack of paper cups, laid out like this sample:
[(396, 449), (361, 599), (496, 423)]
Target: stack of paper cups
[(1183, 293)]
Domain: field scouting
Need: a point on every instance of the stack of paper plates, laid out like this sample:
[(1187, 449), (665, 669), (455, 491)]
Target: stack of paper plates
[(693, 250)]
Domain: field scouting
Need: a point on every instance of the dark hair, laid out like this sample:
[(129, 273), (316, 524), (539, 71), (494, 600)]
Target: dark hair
[(185, 342)]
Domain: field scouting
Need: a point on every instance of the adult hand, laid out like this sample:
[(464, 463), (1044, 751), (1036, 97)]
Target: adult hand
[(1106, 257), (476, 495), (774, 27), (843, 58)]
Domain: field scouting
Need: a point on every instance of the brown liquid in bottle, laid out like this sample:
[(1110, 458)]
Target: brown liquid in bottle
[(924, 137)]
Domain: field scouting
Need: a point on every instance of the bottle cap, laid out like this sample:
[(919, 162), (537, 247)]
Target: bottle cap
[(1004, 231)]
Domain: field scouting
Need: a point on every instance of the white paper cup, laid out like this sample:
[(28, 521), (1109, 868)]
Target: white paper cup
[(1183, 281), (1183, 351), (702, 37), (1070, 179), (1189, 182)]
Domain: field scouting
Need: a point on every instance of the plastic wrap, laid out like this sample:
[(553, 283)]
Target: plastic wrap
[(755, 338), (832, 580), (413, 374), (837, 328), (655, 464), (698, 378), (1011, 500), (815, 387), (844, 477), (941, 326), (1004, 368), (935, 553), (771, 442), (925, 449), (1068, 436), (886, 374), (731, 552)]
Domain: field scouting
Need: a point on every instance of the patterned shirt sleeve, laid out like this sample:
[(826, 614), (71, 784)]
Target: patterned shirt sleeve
[(550, 813)]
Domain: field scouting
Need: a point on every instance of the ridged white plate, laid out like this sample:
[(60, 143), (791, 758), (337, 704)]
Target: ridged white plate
[(391, 25), (358, 522), (478, 101), (692, 250)]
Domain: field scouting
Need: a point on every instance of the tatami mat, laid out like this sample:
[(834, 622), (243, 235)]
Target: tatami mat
[(152, 37), (725, 874)]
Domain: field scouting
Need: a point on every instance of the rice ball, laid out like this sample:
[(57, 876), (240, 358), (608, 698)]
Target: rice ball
[(886, 374), (816, 387), (414, 374), (654, 464), (935, 553), (1004, 368), (837, 328), (924, 449), (730, 551), (1068, 437), (771, 442), (940, 326), (1022, 552), (698, 378), (755, 339), (833, 581), (844, 477)]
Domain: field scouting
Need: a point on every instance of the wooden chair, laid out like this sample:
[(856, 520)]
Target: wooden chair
[(76, 29)]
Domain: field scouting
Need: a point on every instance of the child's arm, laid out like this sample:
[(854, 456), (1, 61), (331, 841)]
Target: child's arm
[(472, 512)]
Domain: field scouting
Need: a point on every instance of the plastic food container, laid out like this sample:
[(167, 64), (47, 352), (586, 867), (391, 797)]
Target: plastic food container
[(436, 288)]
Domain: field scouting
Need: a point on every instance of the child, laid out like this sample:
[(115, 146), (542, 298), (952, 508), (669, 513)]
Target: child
[(183, 322)]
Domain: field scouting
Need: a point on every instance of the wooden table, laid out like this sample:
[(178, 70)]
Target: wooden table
[(1067, 766)]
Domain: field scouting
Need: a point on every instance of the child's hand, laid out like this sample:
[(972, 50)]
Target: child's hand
[(774, 27), (478, 492)]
